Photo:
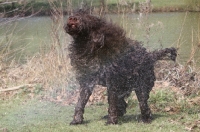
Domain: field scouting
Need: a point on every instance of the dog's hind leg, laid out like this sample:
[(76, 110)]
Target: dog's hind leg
[(143, 97), (79, 109), (121, 107)]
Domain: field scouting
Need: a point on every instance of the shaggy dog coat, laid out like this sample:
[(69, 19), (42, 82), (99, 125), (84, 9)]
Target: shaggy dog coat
[(101, 54)]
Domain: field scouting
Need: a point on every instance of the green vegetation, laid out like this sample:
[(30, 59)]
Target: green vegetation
[(21, 114)]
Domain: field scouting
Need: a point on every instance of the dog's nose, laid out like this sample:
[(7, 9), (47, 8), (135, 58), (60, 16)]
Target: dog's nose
[(72, 18)]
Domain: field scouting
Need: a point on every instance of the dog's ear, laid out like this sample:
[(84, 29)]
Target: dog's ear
[(98, 39)]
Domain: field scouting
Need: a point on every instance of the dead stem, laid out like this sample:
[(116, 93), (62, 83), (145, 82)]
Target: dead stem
[(179, 39)]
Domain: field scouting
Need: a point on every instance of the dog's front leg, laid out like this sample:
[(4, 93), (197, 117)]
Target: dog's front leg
[(112, 110), (79, 109)]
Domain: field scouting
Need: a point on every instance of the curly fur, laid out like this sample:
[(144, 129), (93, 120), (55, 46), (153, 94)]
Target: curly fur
[(101, 54)]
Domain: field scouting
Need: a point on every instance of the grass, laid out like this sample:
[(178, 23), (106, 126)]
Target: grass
[(21, 114)]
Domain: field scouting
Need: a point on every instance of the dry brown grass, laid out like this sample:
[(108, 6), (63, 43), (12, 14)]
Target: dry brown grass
[(52, 71)]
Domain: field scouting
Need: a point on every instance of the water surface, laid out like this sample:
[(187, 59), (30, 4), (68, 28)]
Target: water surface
[(157, 30)]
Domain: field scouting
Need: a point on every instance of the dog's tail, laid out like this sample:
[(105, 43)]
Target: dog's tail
[(163, 54)]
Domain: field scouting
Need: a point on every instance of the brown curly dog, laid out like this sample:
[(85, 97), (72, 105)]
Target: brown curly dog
[(101, 54)]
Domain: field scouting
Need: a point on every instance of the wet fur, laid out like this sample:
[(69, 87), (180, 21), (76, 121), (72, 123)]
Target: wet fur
[(101, 54)]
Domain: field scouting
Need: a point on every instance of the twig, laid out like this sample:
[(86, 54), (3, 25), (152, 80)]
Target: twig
[(4, 3), (17, 87), (179, 39), (17, 18)]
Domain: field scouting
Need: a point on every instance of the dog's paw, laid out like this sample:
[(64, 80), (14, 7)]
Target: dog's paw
[(111, 121), (146, 121), (75, 122)]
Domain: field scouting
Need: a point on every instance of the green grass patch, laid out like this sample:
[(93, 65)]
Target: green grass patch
[(35, 115)]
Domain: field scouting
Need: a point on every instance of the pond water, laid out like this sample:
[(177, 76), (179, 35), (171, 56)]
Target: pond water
[(157, 30)]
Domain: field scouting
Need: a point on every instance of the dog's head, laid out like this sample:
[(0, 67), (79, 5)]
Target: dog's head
[(73, 25), (80, 23)]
